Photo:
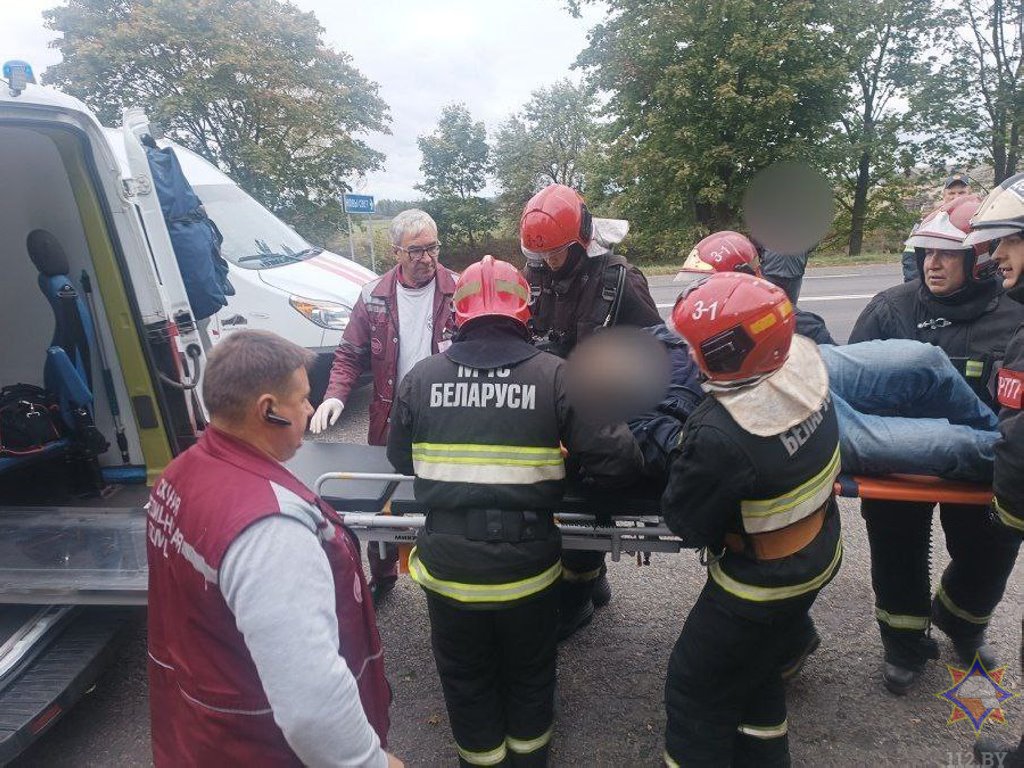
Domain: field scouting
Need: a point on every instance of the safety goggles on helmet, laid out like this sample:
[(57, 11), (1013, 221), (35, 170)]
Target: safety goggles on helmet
[(539, 256)]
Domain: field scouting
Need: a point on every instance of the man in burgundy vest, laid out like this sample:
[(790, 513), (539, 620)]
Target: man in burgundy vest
[(263, 642)]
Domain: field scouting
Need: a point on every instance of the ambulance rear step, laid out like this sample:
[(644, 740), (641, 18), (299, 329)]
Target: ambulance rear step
[(57, 669)]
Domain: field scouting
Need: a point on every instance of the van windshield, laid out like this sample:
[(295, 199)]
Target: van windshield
[(253, 237)]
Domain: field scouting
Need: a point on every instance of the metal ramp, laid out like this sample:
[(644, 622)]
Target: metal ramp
[(73, 556)]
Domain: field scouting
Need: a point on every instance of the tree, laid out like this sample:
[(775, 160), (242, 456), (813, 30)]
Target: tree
[(548, 142), (973, 102), (706, 93), (248, 84), (885, 38), (455, 165)]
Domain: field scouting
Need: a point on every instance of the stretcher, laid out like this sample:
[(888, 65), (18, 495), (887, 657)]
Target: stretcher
[(88, 556), (379, 506)]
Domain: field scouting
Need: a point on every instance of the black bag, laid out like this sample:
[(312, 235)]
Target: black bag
[(29, 420)]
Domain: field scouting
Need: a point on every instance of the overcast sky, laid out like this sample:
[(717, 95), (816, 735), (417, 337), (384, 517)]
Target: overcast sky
[(424, 55)]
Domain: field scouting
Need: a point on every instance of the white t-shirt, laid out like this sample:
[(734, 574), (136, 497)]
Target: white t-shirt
[(415, 326)]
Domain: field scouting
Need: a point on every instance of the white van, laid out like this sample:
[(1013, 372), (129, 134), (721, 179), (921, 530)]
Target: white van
[(92, 306), (282, 283)]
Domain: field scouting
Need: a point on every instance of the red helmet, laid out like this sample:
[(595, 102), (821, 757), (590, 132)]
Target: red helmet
[(720, 252), (738, 326), (555, 217), (491, 288)]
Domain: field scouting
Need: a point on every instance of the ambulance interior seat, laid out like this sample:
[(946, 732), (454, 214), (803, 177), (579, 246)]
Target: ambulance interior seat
[(67, 371)]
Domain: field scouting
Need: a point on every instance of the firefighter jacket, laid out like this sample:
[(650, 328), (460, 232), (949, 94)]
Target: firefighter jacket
[(727, 485), (372, 337), (1008, 482), (584, 295), (972, 326), (481, 426), (208, 704)]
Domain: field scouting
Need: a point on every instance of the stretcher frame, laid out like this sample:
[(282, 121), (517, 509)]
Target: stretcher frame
[(635, 534)]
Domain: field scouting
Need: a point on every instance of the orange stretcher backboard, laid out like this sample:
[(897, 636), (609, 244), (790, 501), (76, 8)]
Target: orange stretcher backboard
[(912, 488)]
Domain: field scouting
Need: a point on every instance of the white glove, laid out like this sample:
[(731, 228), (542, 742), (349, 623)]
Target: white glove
[(325, 416)]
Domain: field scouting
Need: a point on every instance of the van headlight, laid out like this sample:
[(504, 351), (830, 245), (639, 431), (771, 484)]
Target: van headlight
[(326, 314)]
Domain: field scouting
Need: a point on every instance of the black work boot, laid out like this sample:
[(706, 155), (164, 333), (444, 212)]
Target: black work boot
[(968, 639), (602, 593), (990, 751), (905, 659), (576, 608)]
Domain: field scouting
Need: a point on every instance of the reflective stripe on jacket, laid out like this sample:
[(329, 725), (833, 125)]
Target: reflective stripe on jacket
[(726, 481)]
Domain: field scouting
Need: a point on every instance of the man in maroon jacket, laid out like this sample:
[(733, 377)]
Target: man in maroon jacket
[(400, 318), (263, 645)]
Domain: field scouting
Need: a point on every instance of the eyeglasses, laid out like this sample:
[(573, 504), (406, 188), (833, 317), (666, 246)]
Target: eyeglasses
[(419, 251)]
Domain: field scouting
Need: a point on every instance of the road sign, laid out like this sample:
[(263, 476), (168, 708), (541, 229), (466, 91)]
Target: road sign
[(359, 204)]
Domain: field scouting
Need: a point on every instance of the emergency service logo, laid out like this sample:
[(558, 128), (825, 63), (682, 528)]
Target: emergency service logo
[(977, 695)]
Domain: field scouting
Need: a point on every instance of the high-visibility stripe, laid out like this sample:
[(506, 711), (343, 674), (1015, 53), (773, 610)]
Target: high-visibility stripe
[(487, 474), (1006, 518), (761, 515), (897, 621), (974, 368), (495, 452), (757, 594), (526, 746), (578, 577), (467, 289), (494, 756), (487, 464), (668, 760), (507, 286), (957, 611), (764, 731), (482, 593)]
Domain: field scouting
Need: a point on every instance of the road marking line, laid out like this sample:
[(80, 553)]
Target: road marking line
[(831, 277), (803, 299)]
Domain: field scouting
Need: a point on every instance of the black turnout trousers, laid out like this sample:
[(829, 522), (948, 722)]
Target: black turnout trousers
[(497, 670), (724, 694), (899, 533)]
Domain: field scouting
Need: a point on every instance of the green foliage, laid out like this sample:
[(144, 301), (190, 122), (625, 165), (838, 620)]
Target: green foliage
[(704, 95), (874, 148), (455, 165), (248, 84), (972, 104), (549, 142)]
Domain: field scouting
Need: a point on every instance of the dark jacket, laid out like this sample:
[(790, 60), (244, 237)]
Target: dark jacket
[(481, 427), (724, 480), (566, 302), (785, 265), (1008, 483), (657, 431), (812, 326), (372, 339), (972, 327)]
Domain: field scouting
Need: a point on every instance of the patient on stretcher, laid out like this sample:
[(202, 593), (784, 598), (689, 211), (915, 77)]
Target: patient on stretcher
[(902, 406)]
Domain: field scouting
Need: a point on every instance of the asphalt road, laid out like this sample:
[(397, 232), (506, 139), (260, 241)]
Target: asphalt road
[(611, 674)]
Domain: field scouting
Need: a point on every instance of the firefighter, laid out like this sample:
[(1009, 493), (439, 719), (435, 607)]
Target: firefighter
[(728, 251), (971, 320), (752, 487), (1002, 216), (481, 425), (578, 286)]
